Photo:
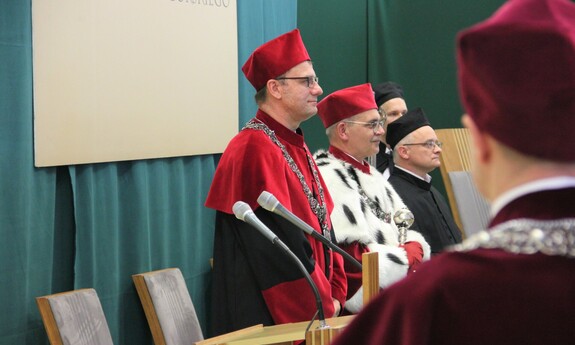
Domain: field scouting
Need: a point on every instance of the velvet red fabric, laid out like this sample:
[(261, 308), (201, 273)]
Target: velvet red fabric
[(517, 76), (274, 58), (484, 296), (345, 103)]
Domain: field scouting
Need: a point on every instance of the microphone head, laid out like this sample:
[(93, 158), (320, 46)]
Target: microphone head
[(240, 209), (268, 201)]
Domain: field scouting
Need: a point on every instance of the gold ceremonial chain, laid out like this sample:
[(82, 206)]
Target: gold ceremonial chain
[(318, 208), (373, 206)]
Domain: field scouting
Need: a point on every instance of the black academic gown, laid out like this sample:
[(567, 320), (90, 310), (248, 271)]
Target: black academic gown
[(432, 214), (383, 159)]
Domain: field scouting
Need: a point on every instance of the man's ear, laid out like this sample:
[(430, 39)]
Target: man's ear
[(402, 151), (479, 140), (273, 86), (341, 130)]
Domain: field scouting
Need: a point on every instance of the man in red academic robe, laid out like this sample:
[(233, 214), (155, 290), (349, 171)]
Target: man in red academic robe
[(515, 282), (253, 281)]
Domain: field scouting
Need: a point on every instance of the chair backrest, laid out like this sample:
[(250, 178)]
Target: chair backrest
[(472, 207), (470, 210), (168, 307), (74, 318)]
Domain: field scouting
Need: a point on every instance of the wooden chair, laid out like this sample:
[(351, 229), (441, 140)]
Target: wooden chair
[(470, 210), (75, 318), (168, 307)]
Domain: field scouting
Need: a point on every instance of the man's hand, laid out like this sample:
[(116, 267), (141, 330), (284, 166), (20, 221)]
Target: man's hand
[(336, 307)]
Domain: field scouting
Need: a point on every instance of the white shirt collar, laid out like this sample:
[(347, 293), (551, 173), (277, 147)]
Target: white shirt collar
[(551, 183), (426, 179)]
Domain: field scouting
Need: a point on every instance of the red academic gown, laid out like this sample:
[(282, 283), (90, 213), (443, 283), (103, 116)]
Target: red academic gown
[(253, 281), (483, 296)]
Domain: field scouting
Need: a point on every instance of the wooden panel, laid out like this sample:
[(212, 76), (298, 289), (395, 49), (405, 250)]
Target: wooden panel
[(370, 275), (455, 156), (222, 339), (323, 336), (283, 334)]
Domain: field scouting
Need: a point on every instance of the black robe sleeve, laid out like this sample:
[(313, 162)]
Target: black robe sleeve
[(254, 282)]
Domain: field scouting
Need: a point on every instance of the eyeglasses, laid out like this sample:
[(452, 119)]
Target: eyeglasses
[(374, 125), (311, 81), (430, 144)]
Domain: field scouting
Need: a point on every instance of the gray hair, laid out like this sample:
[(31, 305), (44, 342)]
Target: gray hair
[(408, 138)]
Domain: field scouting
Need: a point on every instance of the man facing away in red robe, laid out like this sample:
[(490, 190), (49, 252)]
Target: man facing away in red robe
[(515, 282)]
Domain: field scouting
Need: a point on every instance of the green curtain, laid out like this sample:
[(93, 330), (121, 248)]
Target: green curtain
[(139, 216), (35, 247), (95, 225), (334, 33), (411, 42)]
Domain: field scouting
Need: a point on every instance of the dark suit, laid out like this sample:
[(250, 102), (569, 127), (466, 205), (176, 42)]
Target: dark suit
[(432, 214)]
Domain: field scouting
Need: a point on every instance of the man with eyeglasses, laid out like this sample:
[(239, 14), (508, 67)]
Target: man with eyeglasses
[(364, 202), (254, 282), (391, 104), (416, 153), (515, 282)]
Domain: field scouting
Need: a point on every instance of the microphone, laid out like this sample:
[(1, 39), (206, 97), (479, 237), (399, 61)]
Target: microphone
[(244, 212), (269, 202)]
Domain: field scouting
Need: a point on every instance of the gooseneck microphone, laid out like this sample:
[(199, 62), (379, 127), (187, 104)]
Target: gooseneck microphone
[(269, 202), (244, 212)]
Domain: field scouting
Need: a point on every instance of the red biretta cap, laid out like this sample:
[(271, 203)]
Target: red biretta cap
[(274, 58), (345, 103), (516, 74)]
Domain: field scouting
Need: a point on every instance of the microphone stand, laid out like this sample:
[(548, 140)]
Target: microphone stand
[(335, 247), (320, 313), (244, 212)]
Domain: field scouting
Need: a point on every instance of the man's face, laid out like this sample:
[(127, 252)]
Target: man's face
[(364, 137), (394, 109), (299, 99), (423, 159)]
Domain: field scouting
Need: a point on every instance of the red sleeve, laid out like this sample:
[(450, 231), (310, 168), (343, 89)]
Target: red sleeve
[(353, 274), (280, 299), (339, 283)]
